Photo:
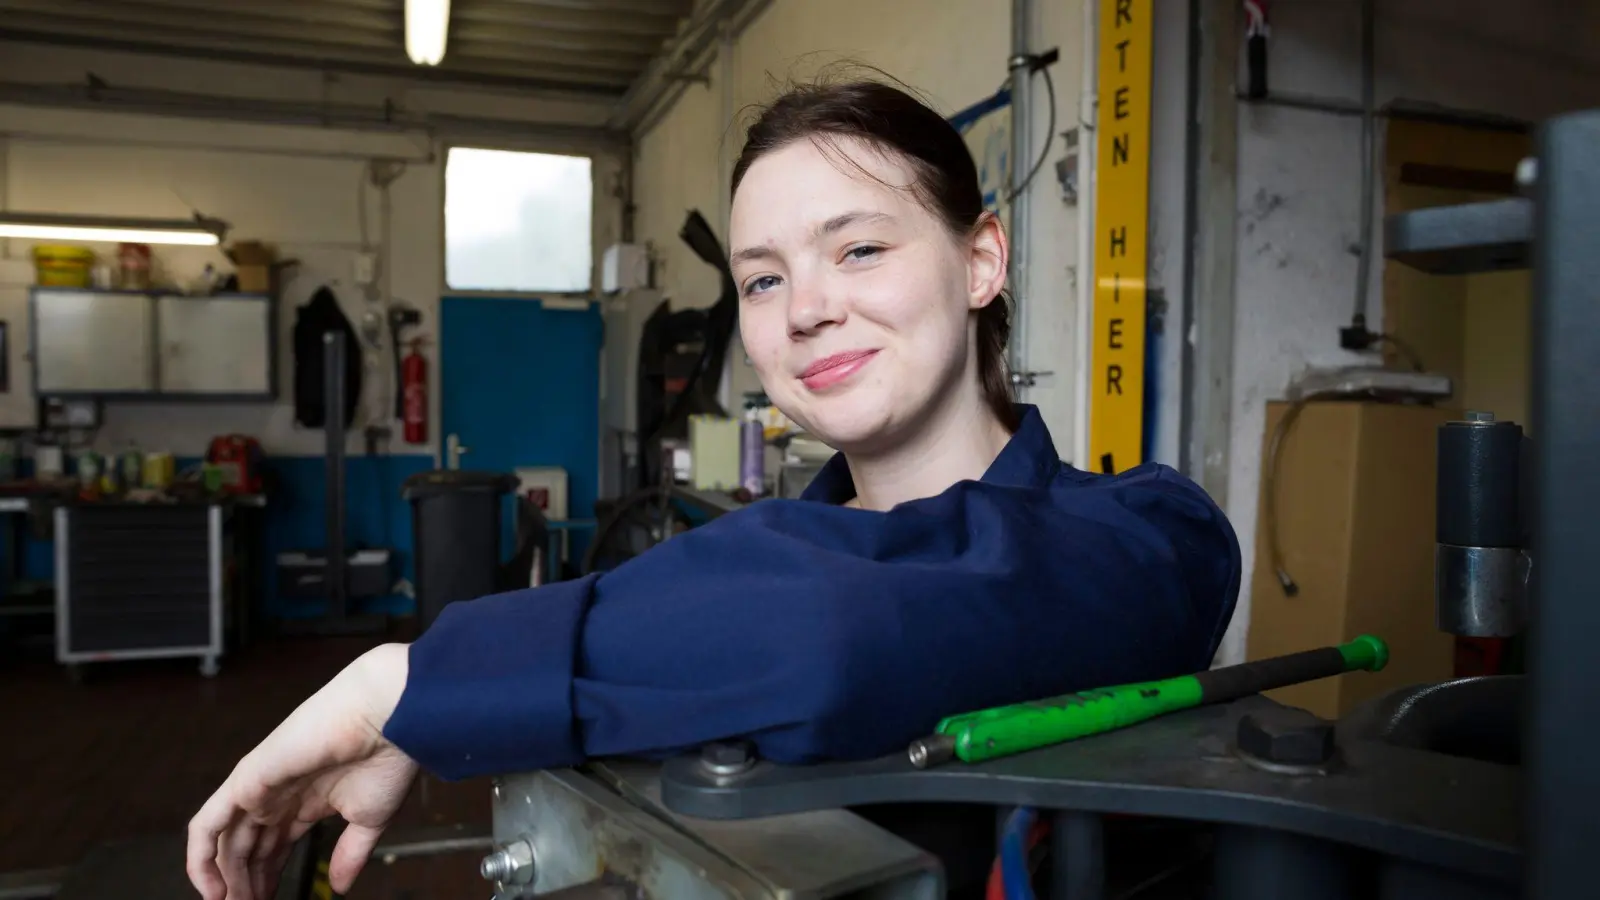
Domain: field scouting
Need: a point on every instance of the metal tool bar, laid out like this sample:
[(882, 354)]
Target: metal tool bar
[(338, 584)]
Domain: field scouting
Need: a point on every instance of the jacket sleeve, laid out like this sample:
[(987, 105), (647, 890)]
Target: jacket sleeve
[(489, 684), (824, 632)]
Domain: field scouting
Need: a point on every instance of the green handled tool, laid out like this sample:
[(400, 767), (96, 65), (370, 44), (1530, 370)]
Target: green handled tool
[(1004, 730)]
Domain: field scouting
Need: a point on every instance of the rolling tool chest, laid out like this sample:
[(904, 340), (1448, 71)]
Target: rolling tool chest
[(142, 581)]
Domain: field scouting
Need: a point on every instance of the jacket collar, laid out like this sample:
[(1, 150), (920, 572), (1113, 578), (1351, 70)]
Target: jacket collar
[(1028, 460)]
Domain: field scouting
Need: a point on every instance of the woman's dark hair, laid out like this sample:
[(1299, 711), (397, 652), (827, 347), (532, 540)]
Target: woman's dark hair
[(893, 121)]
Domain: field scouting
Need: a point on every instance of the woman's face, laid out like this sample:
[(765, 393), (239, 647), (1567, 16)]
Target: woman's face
[(855, 302)]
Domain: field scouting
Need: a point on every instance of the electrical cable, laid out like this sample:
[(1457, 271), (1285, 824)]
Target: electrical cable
[(1269, 478), (1402, 348), (1014, 870), (1050, 131), (1269, 488)]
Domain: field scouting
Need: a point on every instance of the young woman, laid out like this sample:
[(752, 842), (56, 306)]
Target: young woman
[(945, 560)]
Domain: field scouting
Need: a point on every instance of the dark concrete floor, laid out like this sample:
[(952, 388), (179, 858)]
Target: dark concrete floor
[(135, 749)]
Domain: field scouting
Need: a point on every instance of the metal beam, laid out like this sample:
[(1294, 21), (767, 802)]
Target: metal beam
[(308, 13), (88, 17), (79, 17), (691, 46), (473, 52), (550, 81), (387, 18), (347, 117), (1563, 786), (677, 8), (656, 23), (1205, 429), (1020, 161), (636, 49)]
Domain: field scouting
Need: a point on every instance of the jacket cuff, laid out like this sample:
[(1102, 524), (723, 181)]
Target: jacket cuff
[(489, 684)]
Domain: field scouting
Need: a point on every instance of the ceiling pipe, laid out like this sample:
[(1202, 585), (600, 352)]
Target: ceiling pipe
[(1022, 153), (401, 71), (664, 79), (349, 117)]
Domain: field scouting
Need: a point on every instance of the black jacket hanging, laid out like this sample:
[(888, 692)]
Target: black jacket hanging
[(321, 315)]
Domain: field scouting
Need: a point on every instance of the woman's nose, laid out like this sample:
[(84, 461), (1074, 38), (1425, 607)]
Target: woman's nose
[(812, 307)]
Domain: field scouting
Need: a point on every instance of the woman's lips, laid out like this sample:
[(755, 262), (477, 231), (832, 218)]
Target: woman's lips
[(832, 370)]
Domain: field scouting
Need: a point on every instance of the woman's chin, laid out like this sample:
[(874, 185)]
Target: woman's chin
[(848, 426)]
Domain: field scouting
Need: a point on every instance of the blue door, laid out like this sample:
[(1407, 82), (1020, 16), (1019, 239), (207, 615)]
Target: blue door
[(520, 386)]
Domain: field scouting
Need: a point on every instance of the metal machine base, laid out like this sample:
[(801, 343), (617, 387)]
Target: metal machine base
[(604, 831), (1414, 803)]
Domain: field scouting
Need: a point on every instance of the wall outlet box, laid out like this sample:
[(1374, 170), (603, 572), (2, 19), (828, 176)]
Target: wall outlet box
[(366, 269), (624, 267), (546, 486)]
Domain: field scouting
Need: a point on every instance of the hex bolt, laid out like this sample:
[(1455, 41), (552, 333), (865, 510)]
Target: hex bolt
[(1481, 416), (728, 757), (1289, 737), (511, 864)]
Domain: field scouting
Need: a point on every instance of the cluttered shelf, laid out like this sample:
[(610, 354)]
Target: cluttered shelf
[(145, 560)]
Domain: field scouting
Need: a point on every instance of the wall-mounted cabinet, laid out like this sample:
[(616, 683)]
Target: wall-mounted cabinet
[(119, 344)]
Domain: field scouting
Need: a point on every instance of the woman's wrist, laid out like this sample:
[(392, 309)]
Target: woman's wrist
[(381, 674)]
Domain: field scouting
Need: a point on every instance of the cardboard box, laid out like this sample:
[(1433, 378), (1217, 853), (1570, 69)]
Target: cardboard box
[(1355, 519), (252, 264)]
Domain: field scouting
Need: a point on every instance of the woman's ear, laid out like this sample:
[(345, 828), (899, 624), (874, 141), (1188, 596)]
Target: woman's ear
[(988, 258)]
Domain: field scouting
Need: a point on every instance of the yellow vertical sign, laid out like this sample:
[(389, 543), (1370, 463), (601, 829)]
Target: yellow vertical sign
[(1121, 223)]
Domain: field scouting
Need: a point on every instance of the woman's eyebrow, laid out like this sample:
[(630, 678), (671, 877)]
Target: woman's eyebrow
[(832, 225), (751, 254), (854, 217)]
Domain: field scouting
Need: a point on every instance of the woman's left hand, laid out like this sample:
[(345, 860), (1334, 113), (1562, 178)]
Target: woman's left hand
[(329, 757)]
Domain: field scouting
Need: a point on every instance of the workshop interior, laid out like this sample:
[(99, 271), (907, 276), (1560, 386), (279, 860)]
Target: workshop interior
[(318, 316)]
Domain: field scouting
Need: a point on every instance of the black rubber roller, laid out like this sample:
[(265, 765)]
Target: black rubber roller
[(1479, 493)]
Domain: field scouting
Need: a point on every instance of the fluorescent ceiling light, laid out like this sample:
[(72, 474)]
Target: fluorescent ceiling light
[(196, 232), (427, 25)]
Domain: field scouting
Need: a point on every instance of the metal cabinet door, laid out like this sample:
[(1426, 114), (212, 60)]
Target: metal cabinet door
[(93, 342), (218, 346)]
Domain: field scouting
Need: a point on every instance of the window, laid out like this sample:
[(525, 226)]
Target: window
[(517, 222)]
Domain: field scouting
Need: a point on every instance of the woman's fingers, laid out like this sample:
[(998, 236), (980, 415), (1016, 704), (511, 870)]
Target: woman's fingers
[(205, 834), (265, 859), (234, 853), (350, 855)]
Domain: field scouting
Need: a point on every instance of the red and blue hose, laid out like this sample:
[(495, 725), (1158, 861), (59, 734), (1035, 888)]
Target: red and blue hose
[(1011, 878)]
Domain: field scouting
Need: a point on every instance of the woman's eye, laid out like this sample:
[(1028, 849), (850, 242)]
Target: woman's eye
[(861, 253), (759, 284)]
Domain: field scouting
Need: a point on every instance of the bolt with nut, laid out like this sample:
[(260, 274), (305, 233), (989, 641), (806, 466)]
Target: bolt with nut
[(511, 864)]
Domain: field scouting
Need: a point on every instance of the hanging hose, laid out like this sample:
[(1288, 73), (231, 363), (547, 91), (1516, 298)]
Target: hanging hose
[(1014, 843)]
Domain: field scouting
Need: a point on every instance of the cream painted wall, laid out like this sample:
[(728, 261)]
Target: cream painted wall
[(954, 54), (296, 187)]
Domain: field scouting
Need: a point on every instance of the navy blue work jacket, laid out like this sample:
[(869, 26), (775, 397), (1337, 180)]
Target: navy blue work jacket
[(823, 632)]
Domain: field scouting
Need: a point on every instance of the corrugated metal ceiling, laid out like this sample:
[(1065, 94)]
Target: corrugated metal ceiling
[(589, 46)]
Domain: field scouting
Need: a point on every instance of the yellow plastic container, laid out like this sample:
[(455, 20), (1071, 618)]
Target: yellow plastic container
[(57, 265)]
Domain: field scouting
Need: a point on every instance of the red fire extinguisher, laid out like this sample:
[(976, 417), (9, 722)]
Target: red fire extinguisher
[(414, 393)]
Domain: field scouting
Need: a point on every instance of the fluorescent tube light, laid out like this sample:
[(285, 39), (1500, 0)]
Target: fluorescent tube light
[(427, 26), (196, 232)]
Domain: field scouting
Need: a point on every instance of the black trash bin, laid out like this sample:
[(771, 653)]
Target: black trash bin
[(455, 528)]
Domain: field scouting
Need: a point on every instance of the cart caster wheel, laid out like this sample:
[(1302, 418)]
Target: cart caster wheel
[(209, 667)]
